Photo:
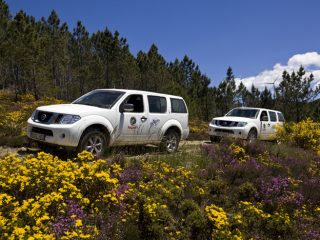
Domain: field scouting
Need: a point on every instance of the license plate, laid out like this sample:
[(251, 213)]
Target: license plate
[(38, 136)]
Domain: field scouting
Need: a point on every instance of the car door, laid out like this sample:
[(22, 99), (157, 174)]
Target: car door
[(265, 128), (158, 115), (133, 125), (273, 123)]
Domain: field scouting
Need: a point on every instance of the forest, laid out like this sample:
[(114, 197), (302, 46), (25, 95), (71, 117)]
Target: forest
[(47, 57)]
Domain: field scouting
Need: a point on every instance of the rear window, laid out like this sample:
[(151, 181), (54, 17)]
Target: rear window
[(157, 104), (178, 106), (273, 116), (280, 117)]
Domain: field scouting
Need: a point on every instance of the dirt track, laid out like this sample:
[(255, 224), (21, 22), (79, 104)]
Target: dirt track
[(4, 151)]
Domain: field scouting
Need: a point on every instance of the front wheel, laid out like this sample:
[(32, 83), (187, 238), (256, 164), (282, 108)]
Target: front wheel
[(252, 135), (93, 141), (170, 141)]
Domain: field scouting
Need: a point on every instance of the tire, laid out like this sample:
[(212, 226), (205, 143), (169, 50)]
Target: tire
[(252, 135), (215, 139), (93, 141), (170, 141)]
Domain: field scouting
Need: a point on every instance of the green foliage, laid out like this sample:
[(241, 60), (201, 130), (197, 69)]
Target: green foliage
[(226, 92), (45, 58), (246, 191), (295, 92)]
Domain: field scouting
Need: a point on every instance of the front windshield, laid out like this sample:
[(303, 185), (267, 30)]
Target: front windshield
[(103, 99), (243, 112)]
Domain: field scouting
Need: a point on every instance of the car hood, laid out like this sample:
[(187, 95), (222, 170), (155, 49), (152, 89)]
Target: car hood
[(75, 109), (233, 119)]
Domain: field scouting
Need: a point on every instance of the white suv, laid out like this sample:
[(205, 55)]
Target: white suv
[(109, 117), (246, 123)]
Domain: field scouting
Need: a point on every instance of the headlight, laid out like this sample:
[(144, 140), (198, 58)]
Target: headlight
[(241, 124), (68, 119), (33, 115), (213, 121)]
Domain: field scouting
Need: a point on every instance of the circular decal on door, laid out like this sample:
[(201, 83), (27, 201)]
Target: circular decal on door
[(133, 120)]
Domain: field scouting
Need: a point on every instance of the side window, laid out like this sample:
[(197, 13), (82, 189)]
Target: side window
[(273, 116), (178, 106), (136, 100), (264, 115), (280, 117), (157, 104)]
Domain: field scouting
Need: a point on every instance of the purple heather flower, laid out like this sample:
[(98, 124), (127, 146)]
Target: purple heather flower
[(66, 221)]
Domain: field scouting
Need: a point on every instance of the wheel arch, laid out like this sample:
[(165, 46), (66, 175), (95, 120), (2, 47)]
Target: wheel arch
[(172, 124), (176, 129), (102, 125)]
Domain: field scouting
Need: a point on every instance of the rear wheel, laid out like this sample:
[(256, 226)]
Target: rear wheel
[(170, 141), (252, 135), (93, 141)]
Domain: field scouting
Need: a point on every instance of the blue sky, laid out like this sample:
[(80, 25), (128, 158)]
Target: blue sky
[(251, 36)]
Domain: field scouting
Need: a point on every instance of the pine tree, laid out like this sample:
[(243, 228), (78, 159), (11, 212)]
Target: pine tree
[(295, 91), (241, 95), (5, 18), (153, 70), (226, 93), (253, 97), (266, 100), (81, 56)]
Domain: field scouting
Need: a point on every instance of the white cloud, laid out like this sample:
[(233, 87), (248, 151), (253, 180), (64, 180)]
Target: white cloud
[(310, 61)]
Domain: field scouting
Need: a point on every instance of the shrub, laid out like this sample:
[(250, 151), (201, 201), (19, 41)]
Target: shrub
[(198, 129), (246, 192), (14, 115), (304, 134), (237, 192)]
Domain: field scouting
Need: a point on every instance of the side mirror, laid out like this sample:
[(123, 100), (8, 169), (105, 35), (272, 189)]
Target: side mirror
[(264, 118), (128, 107)]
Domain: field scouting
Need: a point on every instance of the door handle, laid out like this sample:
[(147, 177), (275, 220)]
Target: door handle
[(143, 119)]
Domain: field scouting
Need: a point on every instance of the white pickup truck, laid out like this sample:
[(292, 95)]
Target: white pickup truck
[(109, 117), (246, 123)]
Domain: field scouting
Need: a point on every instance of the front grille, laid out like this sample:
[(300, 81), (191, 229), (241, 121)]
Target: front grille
[(42, 131), (224, 131), (226, 123), (44, 117)]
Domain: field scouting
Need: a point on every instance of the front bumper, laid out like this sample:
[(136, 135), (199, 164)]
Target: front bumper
[(233, 132), (58, 134)]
